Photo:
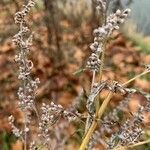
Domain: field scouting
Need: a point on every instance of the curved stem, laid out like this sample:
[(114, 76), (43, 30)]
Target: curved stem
[(131, 146)]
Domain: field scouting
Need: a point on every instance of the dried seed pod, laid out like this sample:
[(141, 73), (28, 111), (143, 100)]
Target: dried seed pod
[(93, 62)]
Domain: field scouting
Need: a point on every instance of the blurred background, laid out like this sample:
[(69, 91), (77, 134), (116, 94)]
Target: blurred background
[(62, 35)]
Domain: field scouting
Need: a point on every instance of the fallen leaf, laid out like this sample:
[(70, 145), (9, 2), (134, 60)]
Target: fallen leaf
[(17, 146)]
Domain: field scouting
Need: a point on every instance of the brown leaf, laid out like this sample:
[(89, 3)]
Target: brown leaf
[(66, 99), (143, 84), (118, 58), (17, 146)]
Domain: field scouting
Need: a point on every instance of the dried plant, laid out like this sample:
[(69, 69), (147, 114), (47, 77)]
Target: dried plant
[(50, 126)]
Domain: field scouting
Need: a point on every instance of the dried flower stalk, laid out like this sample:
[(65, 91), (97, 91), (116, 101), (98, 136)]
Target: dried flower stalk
[(26, 92)]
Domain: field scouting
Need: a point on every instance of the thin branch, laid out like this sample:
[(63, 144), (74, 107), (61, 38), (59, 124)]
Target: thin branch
[(134, 145)]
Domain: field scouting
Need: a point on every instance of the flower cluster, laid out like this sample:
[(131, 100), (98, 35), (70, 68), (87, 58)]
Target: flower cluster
[(33, 146), (19, 16), (50, 115), (114, 20), (108, 123), (112, 118), (93, 62), (101, 5), (27, 98), (26, 91), (15, 130), (102, 33), (131, 130), (147, 67)]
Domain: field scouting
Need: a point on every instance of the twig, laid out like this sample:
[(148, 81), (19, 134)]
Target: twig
[(131, 146)]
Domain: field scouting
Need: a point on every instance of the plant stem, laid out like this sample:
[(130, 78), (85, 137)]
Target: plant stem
[(104, 105), (102, 62), (24, 84), (88, 118), (138, 76), (93, 79), (25, 133), (88, 135), (97, 104), (101, 111), (131, 146)]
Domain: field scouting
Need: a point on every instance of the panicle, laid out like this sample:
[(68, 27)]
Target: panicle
[(50, 115), (102, 33), (20, 16), (15, 130)]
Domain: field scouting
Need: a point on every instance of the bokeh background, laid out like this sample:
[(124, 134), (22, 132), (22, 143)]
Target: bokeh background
[(62, 35)]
